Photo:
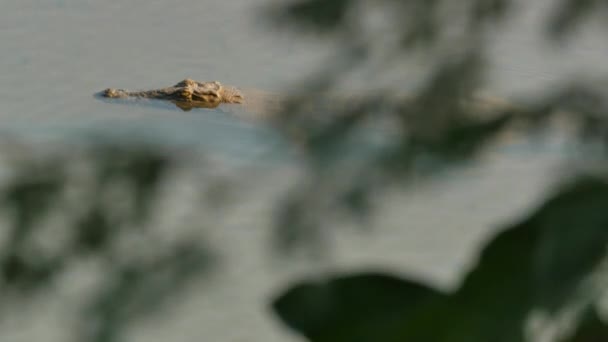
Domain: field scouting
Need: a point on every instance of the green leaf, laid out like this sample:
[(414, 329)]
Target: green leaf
[(362, 307), (493, 301), (540, 262), (591, 329), (573, 241), (318, 15)]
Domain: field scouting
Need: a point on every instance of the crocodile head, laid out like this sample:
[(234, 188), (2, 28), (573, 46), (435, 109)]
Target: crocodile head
[(186, 94), (212, 93)]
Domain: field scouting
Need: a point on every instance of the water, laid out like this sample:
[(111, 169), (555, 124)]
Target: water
[(57, 54)]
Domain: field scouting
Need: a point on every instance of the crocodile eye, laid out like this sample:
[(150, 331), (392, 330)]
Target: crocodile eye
[(109, 93), (186, 94), (114, 93)]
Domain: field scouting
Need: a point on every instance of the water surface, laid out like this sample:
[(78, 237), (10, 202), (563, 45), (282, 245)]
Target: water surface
[(57, 54)]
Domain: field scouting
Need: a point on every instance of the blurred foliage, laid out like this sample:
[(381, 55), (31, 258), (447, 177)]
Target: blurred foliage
[(546, 263), (590, 329), (98, 225), (542, 262), (441, 124)]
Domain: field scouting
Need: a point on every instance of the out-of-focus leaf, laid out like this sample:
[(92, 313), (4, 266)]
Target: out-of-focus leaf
[(573, 240), (540, 262), (362, 307), (137, 290), (295, 225), (42, 198), (29, 196), (420, 27), (25, 275), (317, 15), (493, 301), (141, 167), (569, 14), (93, 231), (591, 329), (521, 268), (488, 11)]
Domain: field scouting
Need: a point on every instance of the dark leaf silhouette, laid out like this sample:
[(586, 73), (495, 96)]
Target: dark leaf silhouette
[(134, 286), (318, 15), (359, 307), (591, 329), (529, 265)]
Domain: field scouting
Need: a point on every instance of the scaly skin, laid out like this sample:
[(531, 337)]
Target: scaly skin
[(186, 94)]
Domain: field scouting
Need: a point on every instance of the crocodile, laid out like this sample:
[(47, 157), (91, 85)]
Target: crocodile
[(260, 104), (189, 94), (186, 94)]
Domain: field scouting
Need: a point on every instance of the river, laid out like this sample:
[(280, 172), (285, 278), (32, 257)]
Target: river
[(56, 54)]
